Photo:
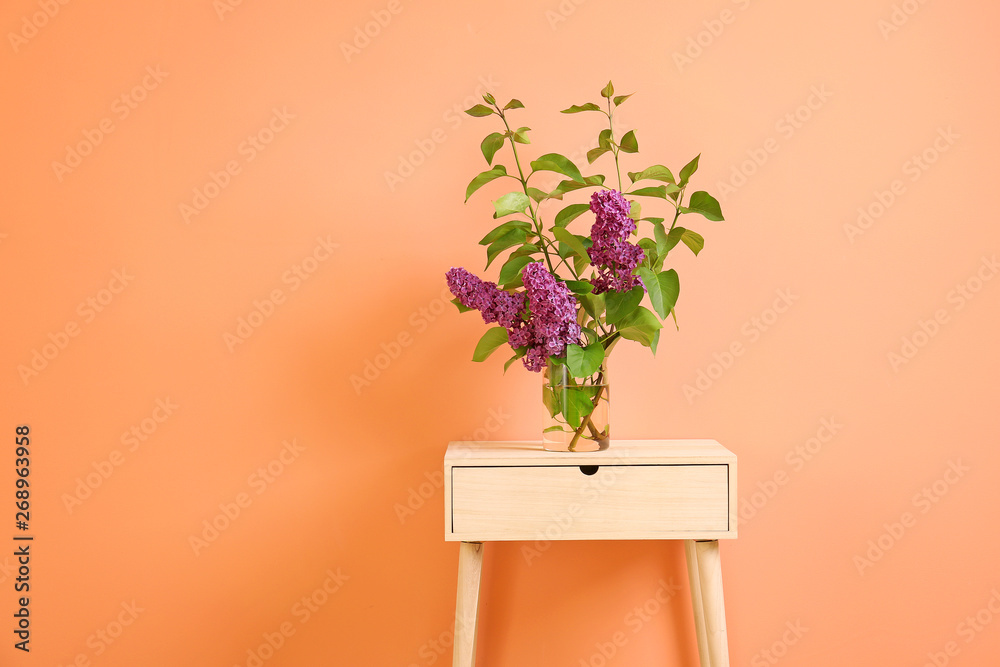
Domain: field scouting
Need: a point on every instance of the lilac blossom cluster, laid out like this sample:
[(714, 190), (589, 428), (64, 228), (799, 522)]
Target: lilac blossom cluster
[(541, 319), (494, 304), (611, 253), (553, 324)]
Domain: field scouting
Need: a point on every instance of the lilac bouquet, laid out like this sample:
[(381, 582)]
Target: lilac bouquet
[(581, 293)]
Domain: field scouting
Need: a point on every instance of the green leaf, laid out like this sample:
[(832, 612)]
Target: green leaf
[(649, 250), (578, 403), (521, 136), (640, 325), (662, 239), (580, 286), (604, 139), (572, 240), (512, 238), (621, 98), (479, 111), (693, 240), (584, 361), (513, 104), (620, 304), (706, 204), (484, 178), (512, 202), (658, 264), (577, 108), (500, 230), (510, 272), (657, 173), (666, 242), (663, 289), (564, 187), (629, 144), (551, 399), (608, 90), (570, 186), (538, 195), (652, 191), (526, 250), (491, 340), (517, 355), (491, 144), (592, 303), (652, 260), (488, 97), (689, 170), (595, 153), (570, 213), (636, 211), (559, 164), (462, 308)]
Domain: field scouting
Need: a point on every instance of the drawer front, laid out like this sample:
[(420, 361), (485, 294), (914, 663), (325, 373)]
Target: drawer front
[(615, 502)]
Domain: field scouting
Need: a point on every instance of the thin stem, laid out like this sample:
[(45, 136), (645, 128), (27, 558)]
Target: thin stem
[(677, 209), (610, 338), (562, 260), (614, 149), (524, 186), (588, 422)]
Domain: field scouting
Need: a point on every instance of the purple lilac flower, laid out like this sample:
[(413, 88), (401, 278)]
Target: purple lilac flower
[(551, 325), (495, 305), (611, 253)]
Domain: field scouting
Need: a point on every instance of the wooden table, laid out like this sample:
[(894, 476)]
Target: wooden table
[(635, 490)]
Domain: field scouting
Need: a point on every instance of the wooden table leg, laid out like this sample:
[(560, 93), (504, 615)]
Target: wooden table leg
[(470, 570), (697, 603), (710, 574)]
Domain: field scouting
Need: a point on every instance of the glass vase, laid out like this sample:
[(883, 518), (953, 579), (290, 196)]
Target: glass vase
[(578, 410)]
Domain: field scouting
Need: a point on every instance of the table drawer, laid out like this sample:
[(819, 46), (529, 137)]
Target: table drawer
[(563, 502)]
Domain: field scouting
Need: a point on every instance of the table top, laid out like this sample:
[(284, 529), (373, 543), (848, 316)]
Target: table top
[(621, 452)]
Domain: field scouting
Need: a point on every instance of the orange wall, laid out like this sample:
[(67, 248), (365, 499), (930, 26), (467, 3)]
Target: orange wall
[(165, 98)]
